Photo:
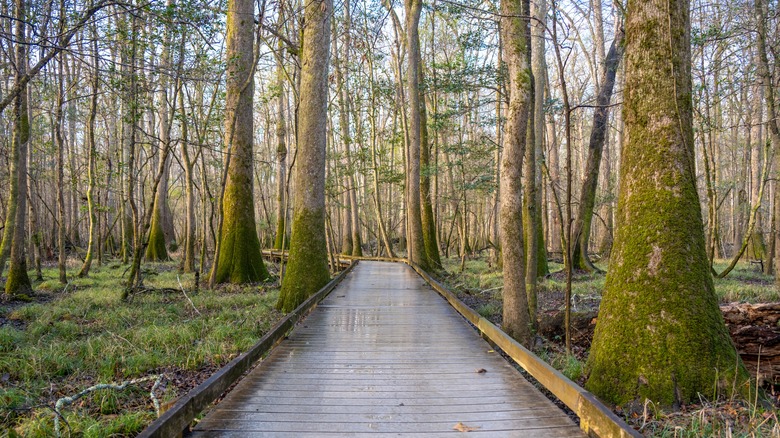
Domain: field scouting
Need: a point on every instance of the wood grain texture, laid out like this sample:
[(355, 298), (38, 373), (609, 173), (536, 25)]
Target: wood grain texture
[(384, 354)]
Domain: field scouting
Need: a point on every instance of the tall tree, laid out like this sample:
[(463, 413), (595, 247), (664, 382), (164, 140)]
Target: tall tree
[(161, 231), (92, 167), (416, 244), (307, 270), (515, 38), (660, 334), (18, 282), (239, 258), (598, 136)]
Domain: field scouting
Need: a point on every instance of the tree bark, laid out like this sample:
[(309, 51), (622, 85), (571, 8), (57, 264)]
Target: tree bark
[(18, 283), (416, 244), (61, 255), (659, 313), (239, 259), (91, 203), (307, 268), (281, 240), (515, 38), (598, 136)]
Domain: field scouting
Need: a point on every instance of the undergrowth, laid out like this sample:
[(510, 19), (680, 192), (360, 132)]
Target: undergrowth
[(479, 285), (68, 340)]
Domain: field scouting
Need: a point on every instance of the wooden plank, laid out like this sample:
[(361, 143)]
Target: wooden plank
[(517, 426), (369, 360), (180, 415), (317, 408), (572, 431), (595, 418)]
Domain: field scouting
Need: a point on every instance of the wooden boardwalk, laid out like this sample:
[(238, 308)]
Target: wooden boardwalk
[(383, 353)]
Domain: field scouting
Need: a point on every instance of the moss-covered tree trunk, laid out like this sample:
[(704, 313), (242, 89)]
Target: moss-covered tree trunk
[(91, 202), (239, 258), (426, 209), (598, 136), (416, 243), (18, 282), (307, 269), (515, 39), (660, 334), (539, 70), (531, 212)]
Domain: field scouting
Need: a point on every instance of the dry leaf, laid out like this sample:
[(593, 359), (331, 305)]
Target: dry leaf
[(460, 427), (480, 371)]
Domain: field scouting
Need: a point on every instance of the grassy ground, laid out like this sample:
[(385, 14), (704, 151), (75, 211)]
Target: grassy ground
[(479, 285), (68, 340)]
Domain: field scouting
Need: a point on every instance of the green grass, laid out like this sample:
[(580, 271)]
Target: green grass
[(69, 341)]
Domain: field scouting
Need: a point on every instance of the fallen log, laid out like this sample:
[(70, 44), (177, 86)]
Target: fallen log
[(756, 334)]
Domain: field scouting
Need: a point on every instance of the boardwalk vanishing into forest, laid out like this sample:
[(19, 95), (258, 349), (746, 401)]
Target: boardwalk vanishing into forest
[(384, 353)]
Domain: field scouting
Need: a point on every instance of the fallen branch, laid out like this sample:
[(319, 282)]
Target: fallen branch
[(66, 401), (187, 296)]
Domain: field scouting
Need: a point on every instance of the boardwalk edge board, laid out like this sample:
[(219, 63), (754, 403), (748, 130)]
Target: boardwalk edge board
[(595, 418), (175, 420)]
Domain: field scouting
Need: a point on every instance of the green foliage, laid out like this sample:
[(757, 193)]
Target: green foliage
[(87, 335)]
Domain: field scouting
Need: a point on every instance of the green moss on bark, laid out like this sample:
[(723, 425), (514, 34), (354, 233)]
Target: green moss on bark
[(240, 257), (307, 268), (18, 282), (660, 334), (156, 250), (281, 239)]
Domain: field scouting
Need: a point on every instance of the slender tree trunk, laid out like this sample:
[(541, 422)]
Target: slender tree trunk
[(281, 240), (61, 255), (307, 269), (426, 204), (598, 135), (416, 244), (18, 283), (91, 203), (659, 312), (539, 69), (771, 102), (515, 32)]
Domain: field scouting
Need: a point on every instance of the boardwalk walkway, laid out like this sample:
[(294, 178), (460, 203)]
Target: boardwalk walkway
[(384, 354)]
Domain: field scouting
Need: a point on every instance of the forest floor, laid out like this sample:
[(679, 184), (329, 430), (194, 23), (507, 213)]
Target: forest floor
[(479, 285), (67, 340)]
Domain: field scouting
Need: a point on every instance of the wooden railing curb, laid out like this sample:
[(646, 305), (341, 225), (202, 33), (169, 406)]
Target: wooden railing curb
[(595, 418), (176, 419)]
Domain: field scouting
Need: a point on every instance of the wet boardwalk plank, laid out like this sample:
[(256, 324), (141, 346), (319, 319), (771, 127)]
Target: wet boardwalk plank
[(384, 354)]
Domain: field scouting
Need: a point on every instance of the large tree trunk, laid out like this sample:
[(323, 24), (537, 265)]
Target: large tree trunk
[(416, 243), (18, 282), (307, 269), (515, 31), (239, 258), (598, 136), (659, 312)]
